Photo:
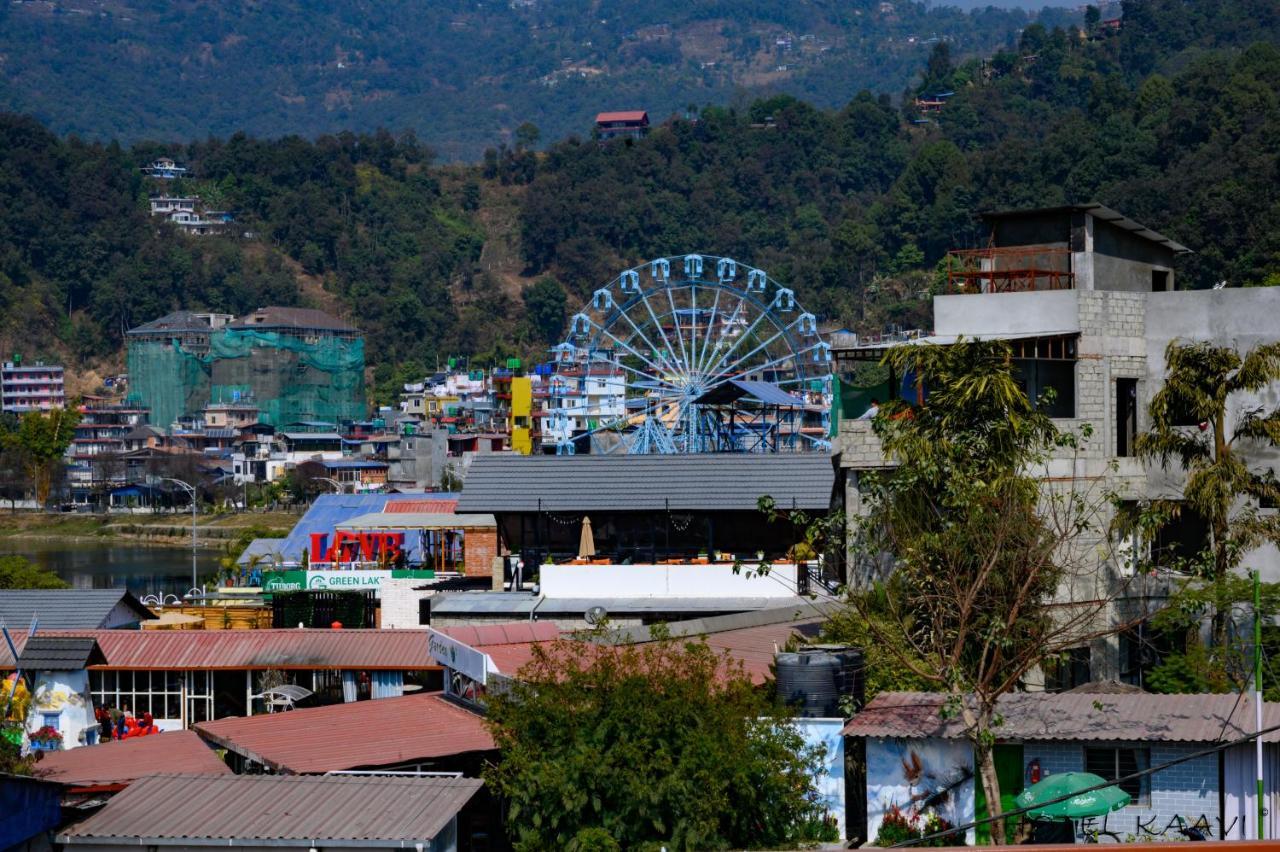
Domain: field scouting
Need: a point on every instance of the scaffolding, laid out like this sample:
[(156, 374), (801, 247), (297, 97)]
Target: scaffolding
[(1009, 270), (290, 377)]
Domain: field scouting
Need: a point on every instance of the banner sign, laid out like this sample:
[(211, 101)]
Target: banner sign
[(355, 580), (460, 657)]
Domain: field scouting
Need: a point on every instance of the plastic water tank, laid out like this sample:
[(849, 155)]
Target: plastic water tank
[(815, 680)]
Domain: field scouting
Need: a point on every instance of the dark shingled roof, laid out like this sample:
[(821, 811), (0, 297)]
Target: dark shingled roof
[(291, 318), (65, 609), (646, 483), (59, 654), (174, 323), (270, 810)]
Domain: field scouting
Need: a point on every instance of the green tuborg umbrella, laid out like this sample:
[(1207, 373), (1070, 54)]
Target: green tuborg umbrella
[(1092, 804)]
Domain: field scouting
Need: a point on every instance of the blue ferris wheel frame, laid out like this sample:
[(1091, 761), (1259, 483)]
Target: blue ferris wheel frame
[(678, 375)]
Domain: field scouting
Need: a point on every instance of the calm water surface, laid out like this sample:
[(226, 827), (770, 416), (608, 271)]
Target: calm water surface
[(143, 570)]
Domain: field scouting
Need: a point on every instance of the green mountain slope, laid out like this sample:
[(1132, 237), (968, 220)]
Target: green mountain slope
[(459, 73)]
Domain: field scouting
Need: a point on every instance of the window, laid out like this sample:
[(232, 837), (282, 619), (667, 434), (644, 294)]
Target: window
[(424, 610), (1068, 672), (1046, 368), (155, 692), (1142, 648), (199, 697), (1113, 763), (1126, 416), (1180, 541), (1159, 280)]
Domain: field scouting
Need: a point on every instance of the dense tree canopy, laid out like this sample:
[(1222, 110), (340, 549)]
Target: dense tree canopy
[(631, 746)]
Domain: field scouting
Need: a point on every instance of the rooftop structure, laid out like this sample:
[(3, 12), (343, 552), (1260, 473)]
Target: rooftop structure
[(164, 169), (63, 609), (251, 650), (44, 653), (114, 765), (622, 124), (31, 387), (1071, 716), (1077, 246), (279, 812), (411, 731)]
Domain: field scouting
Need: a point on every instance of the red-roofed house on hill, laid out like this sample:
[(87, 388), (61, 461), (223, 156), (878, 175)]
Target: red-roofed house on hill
[(626, 124)]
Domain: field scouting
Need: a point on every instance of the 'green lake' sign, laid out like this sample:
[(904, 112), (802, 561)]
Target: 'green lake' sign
[(355, 580)]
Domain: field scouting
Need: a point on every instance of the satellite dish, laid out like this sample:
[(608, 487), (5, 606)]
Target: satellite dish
[(596, 614)]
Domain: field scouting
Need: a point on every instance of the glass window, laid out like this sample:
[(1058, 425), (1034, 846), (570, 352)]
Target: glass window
[(1114, 763), (157, 693)]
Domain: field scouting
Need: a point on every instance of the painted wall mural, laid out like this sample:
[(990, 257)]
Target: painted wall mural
[(920, 779)]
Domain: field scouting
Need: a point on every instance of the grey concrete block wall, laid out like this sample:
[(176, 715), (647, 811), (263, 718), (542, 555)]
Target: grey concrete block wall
[(1188, 790), (1122, 335)]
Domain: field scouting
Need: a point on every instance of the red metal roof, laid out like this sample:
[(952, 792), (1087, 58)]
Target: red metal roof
[(433, 506), (123, 761), (368, 734), (623, 115), (1071, 716), (755, 647), (396, 650)]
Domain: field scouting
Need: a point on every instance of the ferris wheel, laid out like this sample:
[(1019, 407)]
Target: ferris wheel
[(657, 360)]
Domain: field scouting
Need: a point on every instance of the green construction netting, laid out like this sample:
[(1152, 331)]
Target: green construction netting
[(851, 402), (167, 379), (290, 378)]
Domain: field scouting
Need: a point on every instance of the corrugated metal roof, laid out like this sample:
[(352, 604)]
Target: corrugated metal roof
[(766, 393), (1071, 716), (393, 650), (645, 483), (125, 761), (64, 609), (59, 653), (309, 809), (434, 505), (417, 520), (402, 730), (330, 510), (1098, 211), (622, 115)]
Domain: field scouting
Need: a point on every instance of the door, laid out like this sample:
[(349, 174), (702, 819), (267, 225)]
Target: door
[(1126, 416), (1008, 759)]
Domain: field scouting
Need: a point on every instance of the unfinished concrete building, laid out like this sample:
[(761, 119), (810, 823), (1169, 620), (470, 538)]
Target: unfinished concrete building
[(1086, 300)]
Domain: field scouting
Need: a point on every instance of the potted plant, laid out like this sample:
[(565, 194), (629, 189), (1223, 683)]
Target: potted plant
[(46, 739)]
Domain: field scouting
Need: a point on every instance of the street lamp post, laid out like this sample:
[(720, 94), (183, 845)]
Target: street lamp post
[(191, 491)]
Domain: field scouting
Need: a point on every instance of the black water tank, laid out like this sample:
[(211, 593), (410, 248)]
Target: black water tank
[(815, 679)]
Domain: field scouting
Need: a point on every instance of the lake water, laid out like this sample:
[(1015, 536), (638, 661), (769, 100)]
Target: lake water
[(143, 570)]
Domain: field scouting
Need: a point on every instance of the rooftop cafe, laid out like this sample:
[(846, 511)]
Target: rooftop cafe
[(646, 510)]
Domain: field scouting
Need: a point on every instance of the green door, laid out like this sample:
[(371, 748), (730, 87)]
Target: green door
[(1009, 765)]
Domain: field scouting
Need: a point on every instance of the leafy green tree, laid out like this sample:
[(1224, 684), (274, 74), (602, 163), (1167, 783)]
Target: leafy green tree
[(544, 304), (40, 440), (660, 743), (1218, 388), (19, 573), (976, 548)]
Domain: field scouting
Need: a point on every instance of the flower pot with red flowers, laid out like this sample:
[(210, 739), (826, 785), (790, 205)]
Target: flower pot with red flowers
[(46, 739)]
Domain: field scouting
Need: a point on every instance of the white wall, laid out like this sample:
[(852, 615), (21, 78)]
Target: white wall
[(666, 581), (67, 694)]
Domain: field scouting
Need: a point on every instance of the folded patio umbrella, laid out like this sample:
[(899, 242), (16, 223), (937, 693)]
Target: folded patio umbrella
[(1091, 804)]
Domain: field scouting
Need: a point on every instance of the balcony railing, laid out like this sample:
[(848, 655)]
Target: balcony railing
[(1009, 270)]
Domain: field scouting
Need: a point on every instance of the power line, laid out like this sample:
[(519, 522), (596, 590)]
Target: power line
[(951, 832)]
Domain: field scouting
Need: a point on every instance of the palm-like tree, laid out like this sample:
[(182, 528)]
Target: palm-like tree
[(1206, 383)]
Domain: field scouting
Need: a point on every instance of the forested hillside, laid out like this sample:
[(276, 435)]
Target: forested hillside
[(1174, 119), (461, 74)]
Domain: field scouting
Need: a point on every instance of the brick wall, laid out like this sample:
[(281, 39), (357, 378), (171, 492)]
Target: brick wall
[(478, 549), (398, 603)]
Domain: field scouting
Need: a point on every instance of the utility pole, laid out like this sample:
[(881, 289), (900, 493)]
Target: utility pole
[(1257, 696)]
